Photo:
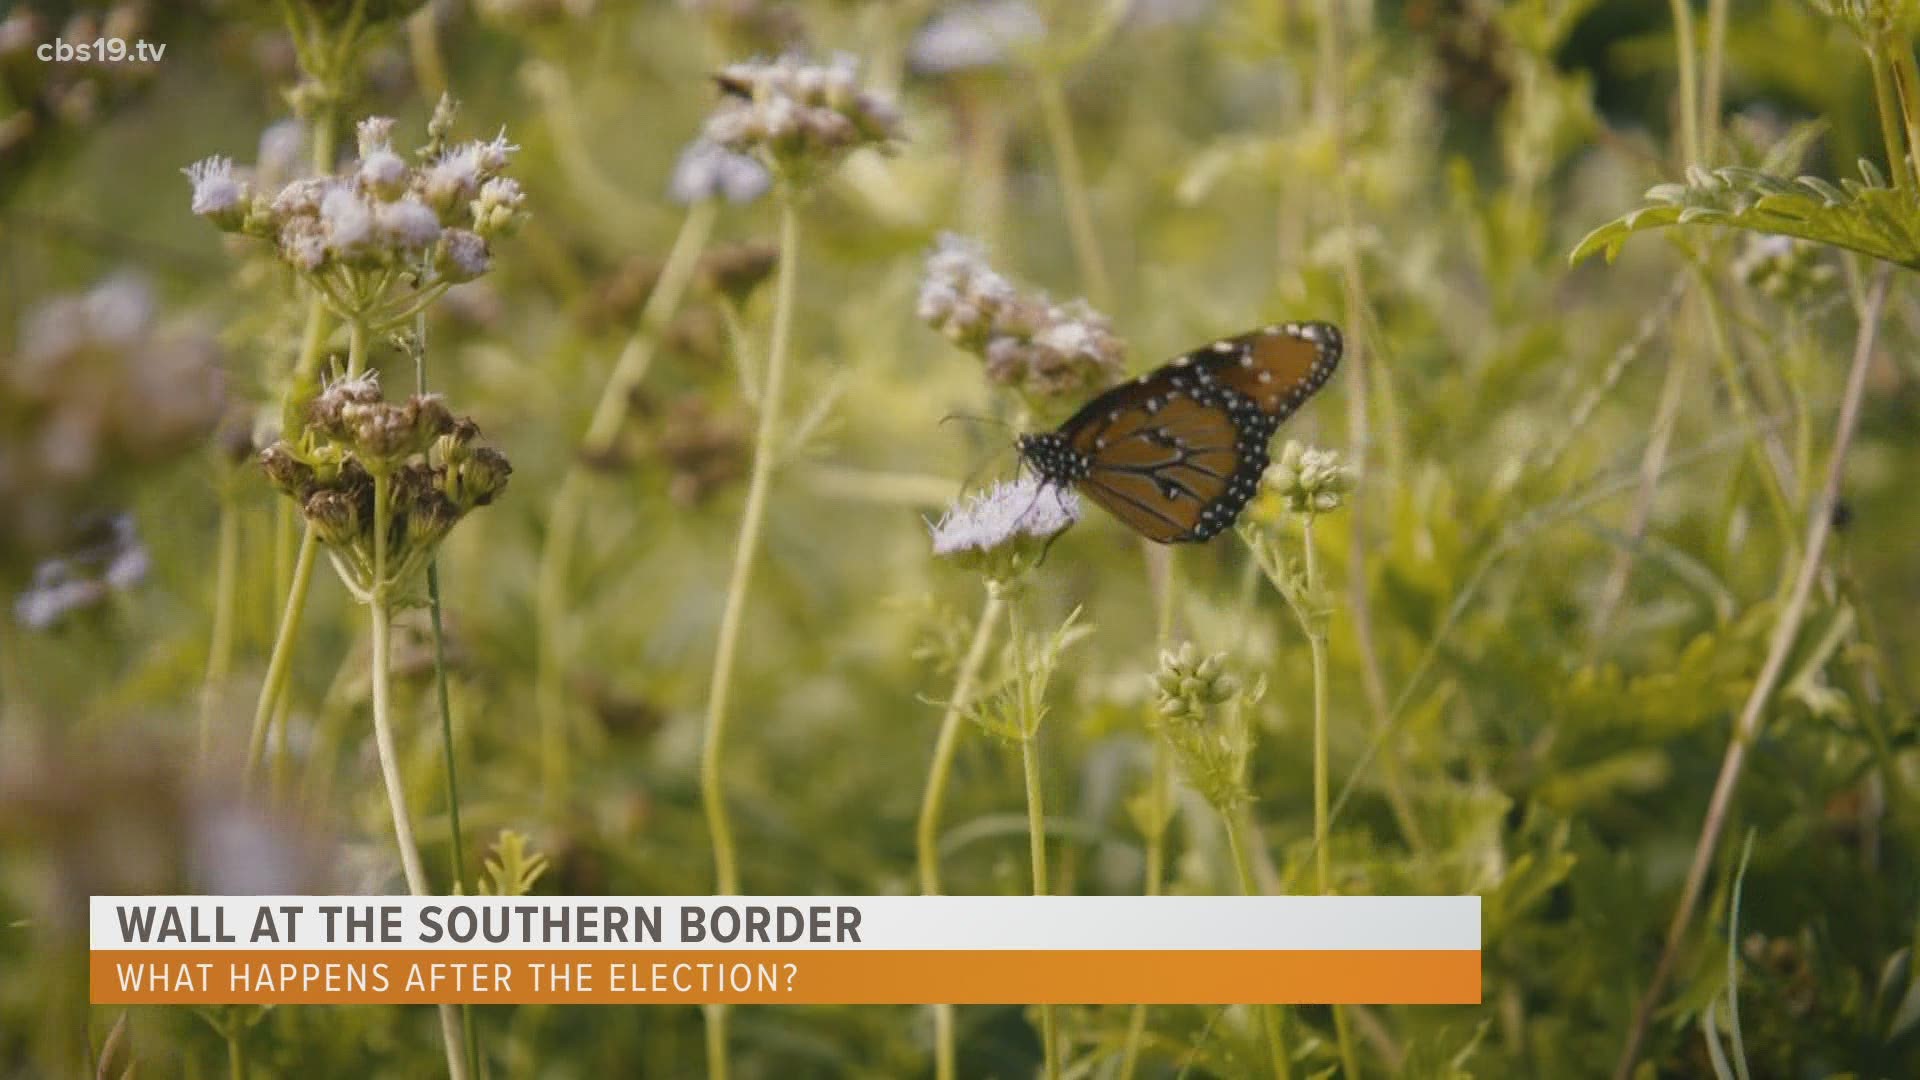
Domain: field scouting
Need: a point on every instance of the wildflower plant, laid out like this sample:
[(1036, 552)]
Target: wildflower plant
[(1004, 531), (801, 120), (1045, 351), (800, 117), (382, 484), (1611, 534), (385, 236), (375, 243)]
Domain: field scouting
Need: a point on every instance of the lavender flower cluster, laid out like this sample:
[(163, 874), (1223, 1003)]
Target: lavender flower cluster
[(797, 116), (383, 210), (1013, 520), (1029, 342)]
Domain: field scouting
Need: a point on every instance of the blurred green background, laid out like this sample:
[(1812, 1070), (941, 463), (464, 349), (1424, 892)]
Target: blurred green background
[(1555, 649)]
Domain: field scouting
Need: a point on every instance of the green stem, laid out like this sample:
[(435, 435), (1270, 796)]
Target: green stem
[(1906, 82), (300, 578), (1271, 1021), (444, 700), (236, 1054), (1786, 630), (1073, 188), (1711, 77), (1360, 397), (1747, 415), (1896, 95), (746, 548), (1317, 644), (927, 832), (410, 862), (1689, 85), (1036, 811), (1160, 565), (279, 663), (563, 520), (1322, 850), (226, 597)]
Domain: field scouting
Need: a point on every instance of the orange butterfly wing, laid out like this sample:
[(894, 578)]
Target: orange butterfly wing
[(1279, 366), (1176, 454)]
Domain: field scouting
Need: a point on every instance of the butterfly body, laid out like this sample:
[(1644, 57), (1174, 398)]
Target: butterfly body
[(1177, 453)]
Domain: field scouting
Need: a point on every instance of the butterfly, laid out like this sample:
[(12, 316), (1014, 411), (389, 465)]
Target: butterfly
[(1176, 453)]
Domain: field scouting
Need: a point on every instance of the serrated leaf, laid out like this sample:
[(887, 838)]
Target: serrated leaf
[(1858, 215)]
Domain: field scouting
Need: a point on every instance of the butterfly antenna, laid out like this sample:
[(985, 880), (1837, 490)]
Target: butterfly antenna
[(975, 418), (1048, 547)]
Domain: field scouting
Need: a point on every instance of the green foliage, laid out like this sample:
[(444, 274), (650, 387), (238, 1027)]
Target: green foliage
[(1544, 599), (1863, 215), (512, 870)]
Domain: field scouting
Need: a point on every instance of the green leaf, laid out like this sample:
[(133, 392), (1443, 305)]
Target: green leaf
[(513, 870), (1863, 215)]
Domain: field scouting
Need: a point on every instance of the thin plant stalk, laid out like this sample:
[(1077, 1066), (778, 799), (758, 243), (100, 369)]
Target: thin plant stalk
[(443, 699), (1689, 93), (1786, 630), (927, 832), (287, 574), (563, 520), (746, 549), (1073, 188), (1666, 416), (226, 597), (1329, 102), (410, 863), (1036, 811), (1906, 83), (1710, 79), (236, 1054), (1758, 441), (1160, 565), (279, 663), (1272, 1024), (1890, 64), (1322, 850)]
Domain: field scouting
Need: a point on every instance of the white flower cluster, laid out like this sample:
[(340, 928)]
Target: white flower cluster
[(1028, 341), (1309, 480), (1005, 514), (706, 170), (115, 562), (799, 116), (975, 35), (381, 211)]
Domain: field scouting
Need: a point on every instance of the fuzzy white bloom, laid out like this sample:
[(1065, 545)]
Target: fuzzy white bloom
[(305, 248), (707, 170), (492, 156), (974, 36), (409, 223), (217, 194), (462, 255), (1027, 508), (960, 292), (451, 180), (797, 115), (384, 173), (498, 209), (348, 221), (373, 135)]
